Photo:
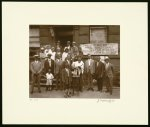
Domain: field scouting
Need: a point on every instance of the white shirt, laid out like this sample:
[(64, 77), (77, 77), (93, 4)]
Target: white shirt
[(67, 70), (89, 62), (64, 55), (49, 60), (53, 55), (49, 76), (69, 47), (48, 51), (36, 61), (76, 64), (106, 65)]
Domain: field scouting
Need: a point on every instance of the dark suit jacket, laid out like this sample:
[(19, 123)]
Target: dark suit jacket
[(66, 62), (100, 70), (65, 76), (46, 66)]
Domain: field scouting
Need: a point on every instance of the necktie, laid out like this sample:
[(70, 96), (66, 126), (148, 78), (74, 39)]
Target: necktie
[(50, 63)]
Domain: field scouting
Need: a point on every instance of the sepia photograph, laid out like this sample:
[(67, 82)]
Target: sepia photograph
[(74, 61)]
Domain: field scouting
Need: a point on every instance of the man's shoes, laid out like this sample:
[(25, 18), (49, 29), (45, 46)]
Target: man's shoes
[(39, 91), (106, 91), (111, 93), (31, 92)]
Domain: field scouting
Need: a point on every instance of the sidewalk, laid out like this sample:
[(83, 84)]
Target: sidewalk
[(83, 94)]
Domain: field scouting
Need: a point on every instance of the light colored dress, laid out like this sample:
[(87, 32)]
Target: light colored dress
[(50, 78), (53, 55), (64, 55)]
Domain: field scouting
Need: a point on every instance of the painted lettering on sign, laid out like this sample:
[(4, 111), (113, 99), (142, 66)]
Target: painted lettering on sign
[(100, 49)]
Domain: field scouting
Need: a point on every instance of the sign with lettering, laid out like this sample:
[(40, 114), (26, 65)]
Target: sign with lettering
[(100, 49)]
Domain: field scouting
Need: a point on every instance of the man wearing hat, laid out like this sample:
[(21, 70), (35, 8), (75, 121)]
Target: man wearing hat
[(68, 46), (58, 46), (100, 71), (109, 74), (48, 50), (42, 56), (90, 71), (74, 50), (36, 68), (49, 64)]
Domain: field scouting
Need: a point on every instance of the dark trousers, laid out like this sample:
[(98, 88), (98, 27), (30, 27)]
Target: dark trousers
[(76, 82), (59, 80), (109, 84), (36, 80), (89, 80), (100, 84)]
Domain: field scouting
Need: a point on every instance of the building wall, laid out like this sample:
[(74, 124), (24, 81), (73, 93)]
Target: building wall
[(45, 36), (82, 35)]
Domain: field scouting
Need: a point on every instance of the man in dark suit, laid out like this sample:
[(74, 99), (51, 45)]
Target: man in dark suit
[(36, 68), (49, 64), (89, 71), (100, 70)]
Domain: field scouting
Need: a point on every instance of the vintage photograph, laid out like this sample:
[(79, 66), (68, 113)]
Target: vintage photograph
[(74, 61)]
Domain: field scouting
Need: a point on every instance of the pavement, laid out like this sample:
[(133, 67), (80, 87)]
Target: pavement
[(83, 94)]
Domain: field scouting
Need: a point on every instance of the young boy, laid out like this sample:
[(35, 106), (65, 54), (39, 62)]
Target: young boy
[(50, 78)]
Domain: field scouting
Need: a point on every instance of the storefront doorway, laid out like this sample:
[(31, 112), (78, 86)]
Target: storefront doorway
[(63, 33)]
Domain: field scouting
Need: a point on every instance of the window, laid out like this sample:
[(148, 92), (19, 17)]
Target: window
[(98, 35), (34, 37)]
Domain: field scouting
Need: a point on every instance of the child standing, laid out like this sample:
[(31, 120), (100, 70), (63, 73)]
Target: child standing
[(50, 78)]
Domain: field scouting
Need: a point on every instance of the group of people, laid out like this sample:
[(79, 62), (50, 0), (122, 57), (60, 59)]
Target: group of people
[(69, 70)]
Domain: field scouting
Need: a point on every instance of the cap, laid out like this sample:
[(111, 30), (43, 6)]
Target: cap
[(106, 57), (35, 56), (65, 48), (42, 48)]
